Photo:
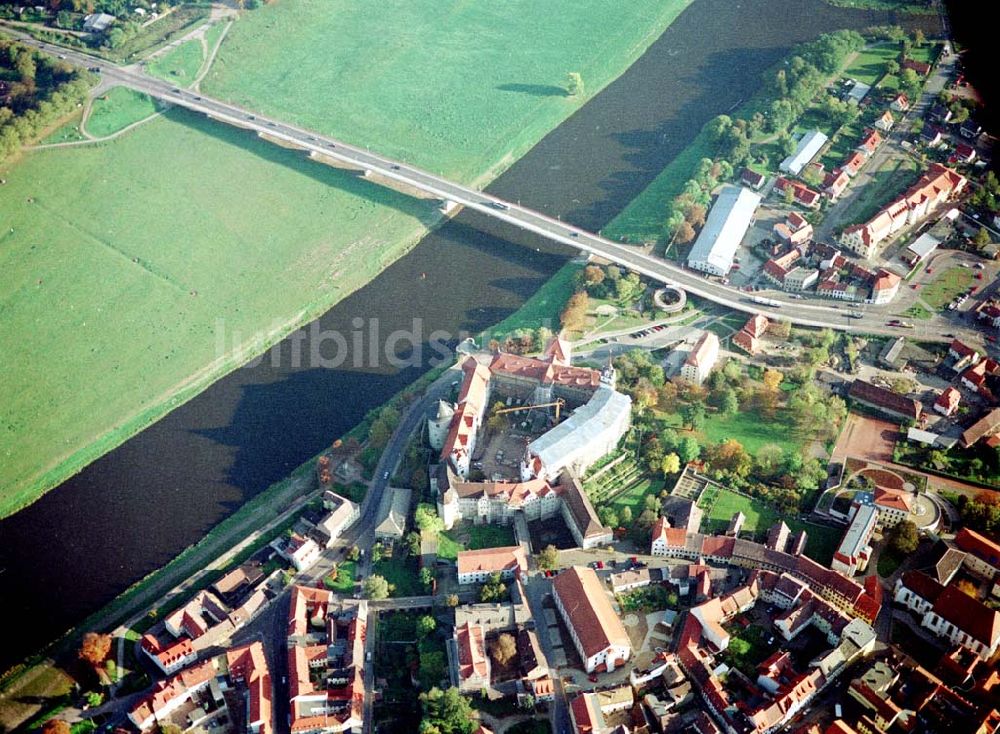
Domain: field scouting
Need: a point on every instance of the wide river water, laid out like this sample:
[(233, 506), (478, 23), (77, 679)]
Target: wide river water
[(139, 506)]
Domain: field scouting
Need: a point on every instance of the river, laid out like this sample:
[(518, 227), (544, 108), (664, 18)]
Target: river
[(140, 505)]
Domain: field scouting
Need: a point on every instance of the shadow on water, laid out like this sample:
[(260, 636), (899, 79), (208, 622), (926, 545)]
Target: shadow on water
[(535, 90), (135, 508)]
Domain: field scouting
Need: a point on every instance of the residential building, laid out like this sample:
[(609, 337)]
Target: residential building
[(884, 400), (806, 149), (473, 397), (799, 279), (169, 696), (854, 163), (171, 657), (343, 514), (855, 547), (948, 401), (857, 92), (835, 182), (701, 359), (870, 142), (974, 378), (986, 427), (900, 103), (393, 511), (950, 613), (970, 129), (326, 656), (476, 566), (751, 178), (963, 153), (893, 506), (801, 193), (982, 555), (248, 670), (885, 287), (749, 337), (471, 671), (933, 189), (885, 122), (731, 215), (301, 551), (921, 67), (597, 632)]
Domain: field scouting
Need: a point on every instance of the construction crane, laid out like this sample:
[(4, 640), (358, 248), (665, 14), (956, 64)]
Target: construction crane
[(558, 404)]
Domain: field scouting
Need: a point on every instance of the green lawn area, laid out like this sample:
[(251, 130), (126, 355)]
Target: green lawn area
[(156, 240), (448, 548), (213, 34), (67, 133), (752, 430), (402, 573), (181, 64), (344, 583), (635, 495), (869, 66), (473, 537), (917, 311), (886, 184), (821, 541), (118, 109), (434, 82), (946, 286), (152, 256)]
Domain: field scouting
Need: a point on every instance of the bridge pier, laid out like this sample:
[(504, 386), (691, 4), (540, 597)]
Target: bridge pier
[(447, 206)]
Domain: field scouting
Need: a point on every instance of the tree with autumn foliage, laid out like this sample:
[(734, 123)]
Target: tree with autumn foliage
[(55, 726), (94, 648), (572, 317)]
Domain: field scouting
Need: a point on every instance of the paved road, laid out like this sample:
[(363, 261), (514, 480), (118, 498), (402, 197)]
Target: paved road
[(387, 170)]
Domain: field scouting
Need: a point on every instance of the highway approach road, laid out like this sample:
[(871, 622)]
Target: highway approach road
[(386, 170)]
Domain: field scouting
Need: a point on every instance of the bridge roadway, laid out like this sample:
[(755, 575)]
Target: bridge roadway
[(797, 311)]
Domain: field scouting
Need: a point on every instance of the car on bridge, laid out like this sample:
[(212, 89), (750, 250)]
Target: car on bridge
[(499, 205)]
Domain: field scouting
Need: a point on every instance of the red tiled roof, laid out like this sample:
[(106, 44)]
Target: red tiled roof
[(949, 399), (471, 643), (922, 585), (921, 67), (986, 426), (590, 613), (970, 615), (895, 499), (979, 545), (507, 558)]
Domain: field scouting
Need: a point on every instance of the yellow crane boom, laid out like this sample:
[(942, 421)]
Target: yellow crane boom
[(557, 404)]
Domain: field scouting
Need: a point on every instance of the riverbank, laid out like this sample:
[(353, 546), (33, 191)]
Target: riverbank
[(158, 323)]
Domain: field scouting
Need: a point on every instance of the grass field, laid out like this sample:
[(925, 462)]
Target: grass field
[(636, 494), (434, 82), (473, 537), (140, 315), (749, 428), (179, 65), (118, 109), (869, 66), (66, 133), (946, 286), (821, 541), (150, 246)]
